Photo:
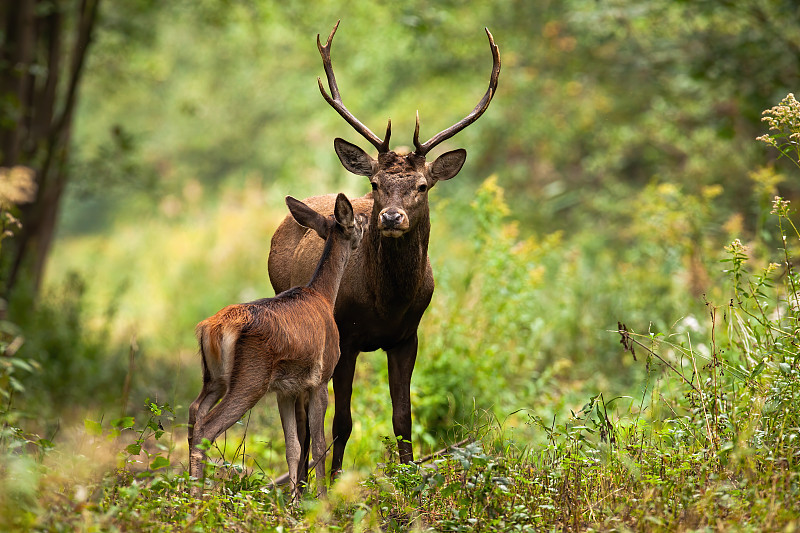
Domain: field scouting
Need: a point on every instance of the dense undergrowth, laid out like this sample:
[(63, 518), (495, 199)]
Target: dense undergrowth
[(705, 437), (612, 342)]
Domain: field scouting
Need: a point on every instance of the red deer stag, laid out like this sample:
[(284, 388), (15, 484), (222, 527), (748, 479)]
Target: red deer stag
[(388, 282), (288, 344)]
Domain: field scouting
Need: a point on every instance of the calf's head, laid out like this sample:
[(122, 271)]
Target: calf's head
[(344, 221)]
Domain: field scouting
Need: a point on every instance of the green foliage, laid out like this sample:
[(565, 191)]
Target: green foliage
[(717, 444), (13, 369), (784, 121), (77, 364), (591, 96), (487, 319), (620, 155)]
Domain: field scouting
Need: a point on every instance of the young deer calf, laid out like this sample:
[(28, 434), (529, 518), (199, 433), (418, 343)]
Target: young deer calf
[(288, 344)]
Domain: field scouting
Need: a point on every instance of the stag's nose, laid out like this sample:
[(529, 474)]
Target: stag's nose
[(393, 222), (392, 218)]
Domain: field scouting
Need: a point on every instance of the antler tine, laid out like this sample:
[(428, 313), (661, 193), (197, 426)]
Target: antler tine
[(424, 148), (416, 137), (335, 99)]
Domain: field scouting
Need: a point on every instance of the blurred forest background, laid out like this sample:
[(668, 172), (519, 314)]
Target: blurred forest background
[(613, 165)]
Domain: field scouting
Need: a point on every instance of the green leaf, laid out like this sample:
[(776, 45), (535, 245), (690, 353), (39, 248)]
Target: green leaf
[(449, 490), (159, 462), (123, 423), (358, 516), (737, 373), (16, 384), (22, 363), (134, 449), (610, 403), (92, 428)]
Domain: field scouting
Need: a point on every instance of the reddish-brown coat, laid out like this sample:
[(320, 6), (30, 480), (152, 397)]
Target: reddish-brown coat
[(288, 344)]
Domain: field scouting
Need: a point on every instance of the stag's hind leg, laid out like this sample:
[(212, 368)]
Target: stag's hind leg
[(303, 435)]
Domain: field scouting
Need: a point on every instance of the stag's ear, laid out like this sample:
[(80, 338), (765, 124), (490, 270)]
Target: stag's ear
[(343, 211), (307, 217), (447, 165), (354, 158)]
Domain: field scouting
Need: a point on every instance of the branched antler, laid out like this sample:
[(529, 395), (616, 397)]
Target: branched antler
[(335, 99), (443, 135)]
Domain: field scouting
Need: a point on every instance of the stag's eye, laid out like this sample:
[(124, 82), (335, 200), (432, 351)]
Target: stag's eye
[(374, 185), (422, 187)]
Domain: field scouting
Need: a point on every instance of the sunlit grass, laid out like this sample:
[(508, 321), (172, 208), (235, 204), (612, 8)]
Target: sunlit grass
[(700, 439), (689, 423), (486, 342)]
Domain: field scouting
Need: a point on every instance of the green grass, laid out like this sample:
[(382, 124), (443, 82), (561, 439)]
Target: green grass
[(613, 465), (590, 390), (706, 437)]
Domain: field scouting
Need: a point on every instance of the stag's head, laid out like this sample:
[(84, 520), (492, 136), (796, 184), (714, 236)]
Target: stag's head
[(400, 182)]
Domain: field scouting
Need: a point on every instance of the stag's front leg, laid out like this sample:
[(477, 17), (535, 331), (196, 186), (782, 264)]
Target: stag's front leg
[(286, 406), (318, 406), (342, 419), (401, 360)]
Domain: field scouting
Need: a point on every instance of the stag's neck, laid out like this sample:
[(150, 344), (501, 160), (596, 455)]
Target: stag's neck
[(397, 266), (328, 276)]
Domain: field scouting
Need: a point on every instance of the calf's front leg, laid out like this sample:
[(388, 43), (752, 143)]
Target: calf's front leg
[(286, 405), (318, 406)]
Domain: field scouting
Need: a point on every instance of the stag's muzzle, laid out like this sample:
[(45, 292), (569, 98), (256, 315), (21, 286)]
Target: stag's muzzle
[(393, 222)]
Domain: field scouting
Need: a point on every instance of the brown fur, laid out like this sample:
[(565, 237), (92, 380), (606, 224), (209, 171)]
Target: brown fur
[(292, 336), (288, 344), (385, 289), (388, 282)]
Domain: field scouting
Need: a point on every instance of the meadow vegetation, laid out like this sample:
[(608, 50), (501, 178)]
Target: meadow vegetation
[(613, 340)]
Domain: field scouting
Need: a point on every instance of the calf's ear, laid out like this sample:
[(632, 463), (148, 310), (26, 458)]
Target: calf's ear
[(343, 211), (307, 217)]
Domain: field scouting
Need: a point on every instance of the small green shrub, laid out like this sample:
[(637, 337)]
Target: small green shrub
[(79, 365)]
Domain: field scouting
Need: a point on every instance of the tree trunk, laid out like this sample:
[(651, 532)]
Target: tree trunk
[(41, 95)]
